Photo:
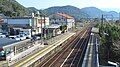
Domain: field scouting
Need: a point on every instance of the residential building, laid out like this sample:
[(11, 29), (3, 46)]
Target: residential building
[(62, 19)]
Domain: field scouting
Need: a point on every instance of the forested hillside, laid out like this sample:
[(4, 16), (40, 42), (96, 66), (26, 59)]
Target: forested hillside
[(12, 8), (70, 10), (110, 43)]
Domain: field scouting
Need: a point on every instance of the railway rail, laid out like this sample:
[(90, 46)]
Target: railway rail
[(72, 52)]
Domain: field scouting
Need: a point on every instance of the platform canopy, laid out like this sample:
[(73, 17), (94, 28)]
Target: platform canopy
[(53, 26), (95, 30), (6, 41)]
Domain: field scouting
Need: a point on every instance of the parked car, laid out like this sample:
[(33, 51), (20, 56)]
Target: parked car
[(17, 37), (38, 38), (22, 37), (2, 36), (28, 36), (12, 37), (25, 34), (45, 43), (6, 33)]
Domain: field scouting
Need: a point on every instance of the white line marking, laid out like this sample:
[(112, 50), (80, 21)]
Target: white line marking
[(76, 55), (49, 59), (71, 51), (58, 56), (82, 52)]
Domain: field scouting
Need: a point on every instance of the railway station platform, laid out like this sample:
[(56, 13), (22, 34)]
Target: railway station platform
[(53, 43), (91, 55)]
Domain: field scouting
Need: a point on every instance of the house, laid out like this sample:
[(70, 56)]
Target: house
[(62, 19)]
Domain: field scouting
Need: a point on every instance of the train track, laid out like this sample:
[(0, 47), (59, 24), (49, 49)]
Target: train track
[(71, 51), (76, 57)]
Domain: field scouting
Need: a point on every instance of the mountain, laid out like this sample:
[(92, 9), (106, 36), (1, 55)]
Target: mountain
[(70, 10), (113, 14), (32, 9), (87, 12), (12, 8), (94, 12)]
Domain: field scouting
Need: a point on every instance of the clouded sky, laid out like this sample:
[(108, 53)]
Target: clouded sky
[(102, 4)]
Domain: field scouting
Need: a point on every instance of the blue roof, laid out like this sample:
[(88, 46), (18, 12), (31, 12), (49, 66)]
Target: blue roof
[(6, 41)]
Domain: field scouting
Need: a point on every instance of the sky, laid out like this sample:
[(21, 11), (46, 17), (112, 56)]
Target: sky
[(107, 5)]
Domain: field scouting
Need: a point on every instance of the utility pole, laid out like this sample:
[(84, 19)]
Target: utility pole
[(112, 18), (44, 27), (41, 28), (119, 17), (102, 20)]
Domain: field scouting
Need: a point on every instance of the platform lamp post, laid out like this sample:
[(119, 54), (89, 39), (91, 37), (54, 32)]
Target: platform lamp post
[(43, 29), (102, 20)]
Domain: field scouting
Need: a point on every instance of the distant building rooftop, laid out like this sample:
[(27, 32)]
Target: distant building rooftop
[(65, 15), (25, 17), (19, 18)]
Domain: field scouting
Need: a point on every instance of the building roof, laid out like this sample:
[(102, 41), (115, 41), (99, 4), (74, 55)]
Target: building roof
[(95, 30), (65, 15), (19, 18), (25, 17), (53, 26), (6, 41)]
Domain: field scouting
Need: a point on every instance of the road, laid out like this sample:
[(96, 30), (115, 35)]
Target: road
[(72, 52)]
